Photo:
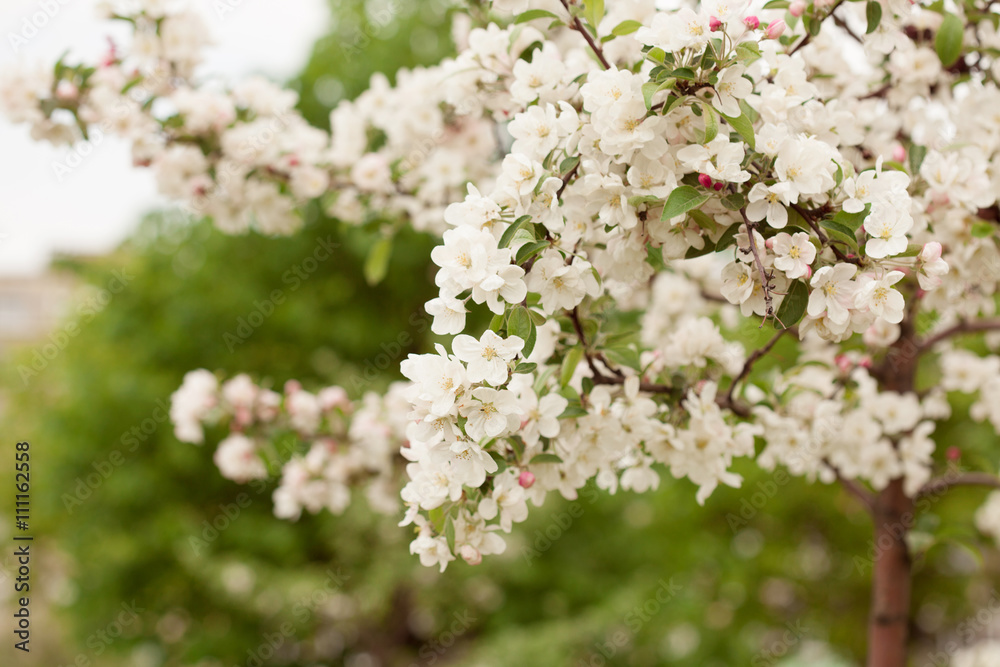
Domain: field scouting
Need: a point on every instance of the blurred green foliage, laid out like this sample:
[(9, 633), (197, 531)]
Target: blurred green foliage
[(616, 580)]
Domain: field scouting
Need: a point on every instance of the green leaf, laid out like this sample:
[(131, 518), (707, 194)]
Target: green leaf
[(839, 232), (657, 55), (744, 128), (912, 250), (873, 11), (649, 89), (545, 458), (519, 323), (529, 342), (948, 41), (793, 306), (501, 461), (916, 157), (735, 201), (747, 52), (525, 367), (573, 410), (776, 4), (625, 28), (569, 164), (594, 12), (377, 262), (533, 14), (643, 200), (852, 221), (981, 229), (508, 234), (529, 250), (711, 122), (704, 221), (570, 362), (624, 356), (684, 73), (749, 111), (496, 324), (517, 444), (681, 200), (813, 25)]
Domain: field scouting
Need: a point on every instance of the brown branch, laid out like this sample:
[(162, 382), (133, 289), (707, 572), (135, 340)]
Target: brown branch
[(751, 360), (765, 280), (823, 238), (579, 27), (866, 497), (963, 327), (809, 35), (566, 179), (942, 484)]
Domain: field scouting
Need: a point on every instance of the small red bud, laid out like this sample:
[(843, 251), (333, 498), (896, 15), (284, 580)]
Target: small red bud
[(954, 453), (751, 22), (705, 180), (714, 24), (717, 186), (526, 480)]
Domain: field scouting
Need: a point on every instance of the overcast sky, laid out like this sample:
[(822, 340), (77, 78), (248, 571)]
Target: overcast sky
[(96, 205)]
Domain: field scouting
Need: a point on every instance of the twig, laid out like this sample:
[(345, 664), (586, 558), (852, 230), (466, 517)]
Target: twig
[(809, 35), (823, 238), (866, 497), (765, 280), (579, 27), (566, 179), (751, 360), (963, 327), (936, 486)]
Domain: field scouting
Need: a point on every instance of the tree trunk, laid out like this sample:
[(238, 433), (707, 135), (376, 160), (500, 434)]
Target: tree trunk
[(892, 514), (888, 624)]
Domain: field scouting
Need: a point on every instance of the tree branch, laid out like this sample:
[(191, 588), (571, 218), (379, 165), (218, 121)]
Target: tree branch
[(765, 280), (823, 238), (751, 360), (963, 327), (579, 27), (942, 484), (809, 35)]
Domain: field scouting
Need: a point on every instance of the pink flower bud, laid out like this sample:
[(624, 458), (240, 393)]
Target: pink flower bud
[(775, 29), (751, 22), (714, 24), (67, 91), (705, 180), (809, 272), (930, 252), (843, 363), (797, 8), (866, 362), (954, 453), (471, 554), (769, 244), (898, 153), (526, 480), (717, 187)]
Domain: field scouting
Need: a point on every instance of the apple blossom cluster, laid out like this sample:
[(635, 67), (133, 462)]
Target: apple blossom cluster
[(632, 193), (324, 444)]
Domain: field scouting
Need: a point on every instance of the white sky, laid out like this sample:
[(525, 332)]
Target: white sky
[(94, 207)]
